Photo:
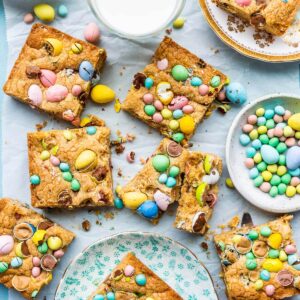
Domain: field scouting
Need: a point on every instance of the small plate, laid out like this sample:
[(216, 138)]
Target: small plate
[(243, 40), (171, 261), (235, 156)]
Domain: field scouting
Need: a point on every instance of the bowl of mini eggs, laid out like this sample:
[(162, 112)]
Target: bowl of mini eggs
[(263, 153)]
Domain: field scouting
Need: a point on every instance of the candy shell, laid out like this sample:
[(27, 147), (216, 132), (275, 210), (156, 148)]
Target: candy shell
[(290, 249), (177, 114), (270, 290), (162, 200), (215, 81), (140, 279), (203, 89), (285, 278), (102, 94), (16, 262), (149, 110), (35, 95), (179, 73), (133, 200), (178, 103), (247, 128), (44, 12), (252, 119), (148, 209), (86, 70), (48, 262), (163, 178), (178, 137), (35, 179), (148, 98), (275, 240), (196, 81), (20, 283), (265, 187), (6, 244), (158, 105), (36, 271), (129, 271), (188, 109), (249, 163), (58, 253), (47, 77), (36, 261), (92, 33), (244, 139), (236, 93)]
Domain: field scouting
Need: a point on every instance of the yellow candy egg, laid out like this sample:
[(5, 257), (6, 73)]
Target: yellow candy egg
[(253, 134), (272, 265), (208, 163), (294, 121), (257, 158), (164, 93), (18, 250), (266, 175), (53, 46), (272, 168), (133, 200), (262, 129), (178, 23), (45, 155), (44, 12), (282, 255), (275, 240), (173, 124), (281, 170), (258, 285), (298, 188), (118, 189), (260, 112), (68, 135), (102, 94), (38, 236), (290, 191), (76, 48), (84, 121), (54, 243), (187, 124), (166, 113), (86, 160)]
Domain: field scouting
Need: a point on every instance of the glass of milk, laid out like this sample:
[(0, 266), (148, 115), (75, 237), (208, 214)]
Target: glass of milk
[(136, 19)]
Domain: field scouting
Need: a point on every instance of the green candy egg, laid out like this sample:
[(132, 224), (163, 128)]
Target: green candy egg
[(221, 246), (215, 81), (251, 264), (43, 248), (275, 180), (281, 188), (3, 266), (262, 166), (281, 147), (174, 171), (75, 185), (178, 137), (250, 255), (160, 163), (273, 253), (270, 124), (286, 178), (258, 181), (265, 231), (264, 139), (180, 73), (149, 110), (273, 191), (253, 235), (34, 293), (282, 160), (67, 176), (274, 142)]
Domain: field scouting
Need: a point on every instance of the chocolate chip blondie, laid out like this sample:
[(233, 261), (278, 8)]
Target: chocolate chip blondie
[(260, 262), (199, 192), (30, 248), (273, 16), (174, 92), (54, 72), (71, 168), (130, 280)]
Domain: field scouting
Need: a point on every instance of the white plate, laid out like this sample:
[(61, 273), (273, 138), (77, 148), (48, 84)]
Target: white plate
[(235, 156), (244, 42)]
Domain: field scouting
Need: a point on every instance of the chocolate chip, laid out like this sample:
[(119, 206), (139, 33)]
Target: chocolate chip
[(119, 148), (25, 249), (204, 246), (17, 216), (64, 198), (258, 20), (174, 149), (32, 72), (201, 63), (86, 225), (199, 223), (139, 80), (99, 173), (102, 197), (44, 225)]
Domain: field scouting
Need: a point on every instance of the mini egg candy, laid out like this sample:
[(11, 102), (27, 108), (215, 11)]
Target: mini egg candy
[(269, 114), (253, 235), (44, 12), (28, 18), (236, 93), (92, 32), (196, 81), (256, 144), (91, 130), (178, 137), (215, 81), (178, 103), (249, 163), (43, 248), (251, 264), (148, 98), (252, 119), (102, 94), (269, 154), (36, 261), (62, 10), (3, 267), (166, 113), (290, 249), (265, 231), (171, 182), (253, 173), (244, 139), (99, 297), (58, 253), (149, 83), (133, 200), (35, 272), (76, 48), (157, 117), (158, 105), (261, 121), (47, 77), (35, 95), (203, 89), (265, 275), (162, 64), (177, 114), (16, 262), (265, 187), (187, 124), (180, 73), (163, 178), (56, 93), (188, 109), (270, 290), (54, 243), (178, 23), (118, 203), (174, 171), (75, 185), (149, 110), (140, 279), (35, 180), (148, 209), (294, 121), (160, 162), (258, 285), (250, 152), (86, 70), (110, 296), (247, 128), (6, 244), (162, 200)]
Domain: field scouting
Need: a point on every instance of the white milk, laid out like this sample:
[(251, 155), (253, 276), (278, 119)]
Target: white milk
[(137, 17)]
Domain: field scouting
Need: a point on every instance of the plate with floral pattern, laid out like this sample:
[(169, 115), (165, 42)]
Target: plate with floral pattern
[(171, 261)]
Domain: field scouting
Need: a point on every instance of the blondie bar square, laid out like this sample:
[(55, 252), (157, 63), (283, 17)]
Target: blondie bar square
[(70, 168), (260, 262), (130, 280), (174, 92), (199, 192), (30, 248), (54, 71)]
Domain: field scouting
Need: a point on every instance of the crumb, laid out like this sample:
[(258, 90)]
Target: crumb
[(86, 225), (98, 222), (143, 161), (234, 222), (169, 31), (120, 172), (109, 215), (119, 148), (204, 246), (41, 126), (130, 137)]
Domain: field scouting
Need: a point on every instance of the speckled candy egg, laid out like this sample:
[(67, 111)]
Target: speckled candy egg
[(6, 244), (35, 95), (47, 78), (148, 209), (86, 70), (56, 93), (269, 154), (178, 103), (236, 93), (92, 33)]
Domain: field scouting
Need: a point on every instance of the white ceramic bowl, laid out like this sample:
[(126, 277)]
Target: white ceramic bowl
[(235, 156)]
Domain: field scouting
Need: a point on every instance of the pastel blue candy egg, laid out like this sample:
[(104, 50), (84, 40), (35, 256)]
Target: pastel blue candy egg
[(236, 93), (250, 152), (62, 11), (295, 172), (170, 182), (293, 158), (279, 110), (86, 70), (297, 266), (91, 130), (148, 209), (64, 167), (261, 121), (35, 179), (16, 262), (177, 114), (99, 297), (292, 258), (149, 82), (256, 144), (140, 279), (281, 125), (269, 154), (118, 203), (110, 296), (269, 114), (265, 275), (163, 178), (196, 81), (253, 173), (244, 139)]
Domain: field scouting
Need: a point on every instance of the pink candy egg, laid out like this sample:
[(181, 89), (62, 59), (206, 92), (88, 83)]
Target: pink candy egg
[(162, 64), (247, 128), (36, 261), (278, 132), (249, 163), (35, 95), (28, 18), (252, 119), (158, 105), (287, 115), (282, 139), (6, 244), (270, 290), (295, 181), (47, 78), (157, 117), (188, 109), (290, 142), (92, 33), (178, 103), (270, 133), (54, 160), (290, 249), (148, 98), (68, 115), (203, 89), (278, 119), (36, 271), (222, 96), (162, 200), (128, 270), (76, 90), (243, 2), (58, 253), (56, 93), (265, 187)]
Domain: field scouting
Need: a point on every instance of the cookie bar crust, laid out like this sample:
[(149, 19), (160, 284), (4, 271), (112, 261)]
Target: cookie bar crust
[(272, 248), (273, 16), (124, 287), (146, 189), (70, 168), (30, 248), (47, 69), (168, 55), (199, 192)]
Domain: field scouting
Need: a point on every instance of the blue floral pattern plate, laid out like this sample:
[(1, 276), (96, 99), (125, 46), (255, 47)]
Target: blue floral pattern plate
[(171, 261)]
